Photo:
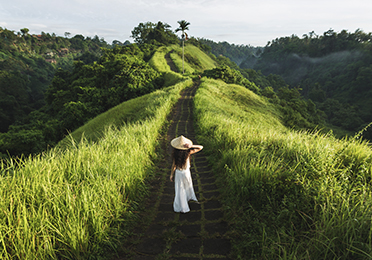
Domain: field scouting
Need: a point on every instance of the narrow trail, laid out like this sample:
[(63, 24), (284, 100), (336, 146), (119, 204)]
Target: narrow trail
[(198, 234), (201, 233), (170, 61)]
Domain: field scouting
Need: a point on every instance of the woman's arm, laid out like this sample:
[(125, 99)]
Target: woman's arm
[(195, 149)]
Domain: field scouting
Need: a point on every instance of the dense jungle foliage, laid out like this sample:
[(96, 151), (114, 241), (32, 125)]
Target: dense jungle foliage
[(27, 66), (334, 70), (49, 85)]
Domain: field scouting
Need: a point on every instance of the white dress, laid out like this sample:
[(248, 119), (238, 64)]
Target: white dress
[(184, 190)]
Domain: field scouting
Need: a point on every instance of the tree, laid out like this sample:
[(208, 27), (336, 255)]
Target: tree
[(140, 33), (162, 34), (67, 34), (24, 31), (116, 42), (152, 33), (184, 25)]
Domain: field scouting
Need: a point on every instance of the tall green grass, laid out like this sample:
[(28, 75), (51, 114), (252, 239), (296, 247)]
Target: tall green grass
[(129, 112), (159, 63), (195, 61), (77, 202), (289, 195)]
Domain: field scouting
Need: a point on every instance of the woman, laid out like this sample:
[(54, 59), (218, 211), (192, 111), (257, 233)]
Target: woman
[(184, 191)]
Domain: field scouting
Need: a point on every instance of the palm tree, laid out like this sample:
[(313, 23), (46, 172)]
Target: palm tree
[(184, 25)]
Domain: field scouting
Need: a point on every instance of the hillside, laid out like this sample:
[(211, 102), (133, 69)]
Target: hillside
[(244, 56), (333, 70), (288, 194), (195, 61), (98, 81), (27, 66), (123, 128), (303, 194), (87, 86)]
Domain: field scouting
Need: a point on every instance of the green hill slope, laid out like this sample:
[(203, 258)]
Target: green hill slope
[(77, 202), (27, 65), (133, 111), (75, 97), (79, 197), (140, 108), (196, 61), (288, 194), (332, 69)]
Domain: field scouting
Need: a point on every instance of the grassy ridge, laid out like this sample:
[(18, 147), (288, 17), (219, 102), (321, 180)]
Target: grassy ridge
[(195, 59), (290, 195), (159, 63), (75, 203), (129, 112)]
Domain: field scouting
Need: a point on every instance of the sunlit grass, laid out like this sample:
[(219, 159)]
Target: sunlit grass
[(206, 63), (159, 63), (75, 202), (201, 61), (291, 195), (185, 66), (198, 63), (131, 111)]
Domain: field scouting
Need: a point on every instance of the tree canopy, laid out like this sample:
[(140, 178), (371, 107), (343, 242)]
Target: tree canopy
[(334, 70), (151, 33), (183, 26)]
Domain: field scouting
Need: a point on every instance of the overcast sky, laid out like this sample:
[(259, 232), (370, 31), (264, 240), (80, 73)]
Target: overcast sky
[(248, 22)]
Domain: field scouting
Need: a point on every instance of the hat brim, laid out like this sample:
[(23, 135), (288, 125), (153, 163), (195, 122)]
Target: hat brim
[(183, 148), (178, 144)]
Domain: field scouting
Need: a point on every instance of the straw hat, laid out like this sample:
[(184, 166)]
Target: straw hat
[(181, 143)]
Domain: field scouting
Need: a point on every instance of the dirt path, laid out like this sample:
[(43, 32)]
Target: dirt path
[(199, 234), (170, 61)]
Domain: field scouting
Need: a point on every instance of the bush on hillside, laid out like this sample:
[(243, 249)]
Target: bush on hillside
[(76, 96)]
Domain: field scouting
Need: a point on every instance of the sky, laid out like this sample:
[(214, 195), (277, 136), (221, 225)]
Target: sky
[(240, 22)]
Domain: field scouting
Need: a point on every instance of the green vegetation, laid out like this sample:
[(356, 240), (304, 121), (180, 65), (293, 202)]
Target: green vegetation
[(196, 61), (78, 202), (288, 194), (160, 64), (297, 113), (245, 56), (133, 111), (74, 97), (94, 83), (27, 66), (333, 70), (184, 25), (290, 189), (154, 33)]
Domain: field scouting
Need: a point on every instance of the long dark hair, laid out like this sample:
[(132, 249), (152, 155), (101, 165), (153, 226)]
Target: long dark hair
[(180, 157)]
